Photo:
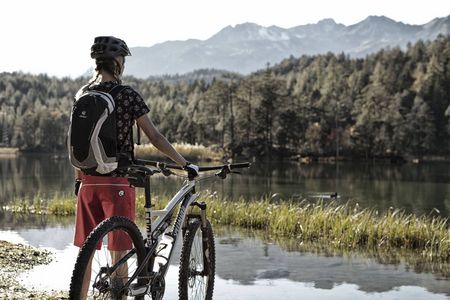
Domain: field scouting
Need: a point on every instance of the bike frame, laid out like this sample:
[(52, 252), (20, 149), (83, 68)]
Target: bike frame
[(139, 176), (184, 198)]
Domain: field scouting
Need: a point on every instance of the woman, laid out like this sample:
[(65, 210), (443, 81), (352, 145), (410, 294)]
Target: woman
[(100, 197)]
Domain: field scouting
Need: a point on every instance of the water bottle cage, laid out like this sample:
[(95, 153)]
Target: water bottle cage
[(161, 247)]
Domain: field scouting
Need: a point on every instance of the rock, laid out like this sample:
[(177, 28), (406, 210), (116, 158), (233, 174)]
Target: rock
[(20, 258)]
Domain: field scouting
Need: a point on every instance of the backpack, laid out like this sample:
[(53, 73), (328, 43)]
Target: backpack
[(92, 140)]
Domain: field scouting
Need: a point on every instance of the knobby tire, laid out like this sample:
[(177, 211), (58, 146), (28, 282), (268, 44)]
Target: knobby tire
[(89, 248), (191, 283)]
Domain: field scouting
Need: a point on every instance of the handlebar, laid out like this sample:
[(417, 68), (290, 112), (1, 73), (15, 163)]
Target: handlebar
[(161, 165), (138, 170)]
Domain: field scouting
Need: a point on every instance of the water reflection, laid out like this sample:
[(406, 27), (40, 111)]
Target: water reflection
[(27, 175), (247, 260), (416, 188)]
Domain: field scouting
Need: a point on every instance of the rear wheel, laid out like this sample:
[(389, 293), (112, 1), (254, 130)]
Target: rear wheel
[(109, 270), (197, 264)]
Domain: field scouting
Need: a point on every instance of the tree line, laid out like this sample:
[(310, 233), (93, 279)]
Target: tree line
[(393, 103)]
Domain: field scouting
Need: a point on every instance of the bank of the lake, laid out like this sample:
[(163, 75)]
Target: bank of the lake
[(191, 152), (340, 226), (8, 151), (15, 259), (249, 265)]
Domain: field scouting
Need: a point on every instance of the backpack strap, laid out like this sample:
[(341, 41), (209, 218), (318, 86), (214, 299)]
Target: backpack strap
[(115, 91)]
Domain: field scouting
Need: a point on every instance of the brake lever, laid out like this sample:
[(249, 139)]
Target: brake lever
[(221, 174), (162, 168), (166, 172)]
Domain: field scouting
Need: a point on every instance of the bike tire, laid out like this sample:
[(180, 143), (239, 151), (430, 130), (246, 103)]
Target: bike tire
[(89, 249), (198, 244)]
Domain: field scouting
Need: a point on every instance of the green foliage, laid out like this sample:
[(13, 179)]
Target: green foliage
[(391, 103), (341, 226), (59, 205)]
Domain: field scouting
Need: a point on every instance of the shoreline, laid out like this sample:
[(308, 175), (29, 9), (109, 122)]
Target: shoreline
[(9, 152), (200, 153), (16, 259), (330, 223)]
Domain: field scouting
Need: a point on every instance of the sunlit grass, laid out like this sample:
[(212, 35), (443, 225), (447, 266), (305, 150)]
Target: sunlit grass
[(8, 151), (190, 152), (342, 226), (59, 205)]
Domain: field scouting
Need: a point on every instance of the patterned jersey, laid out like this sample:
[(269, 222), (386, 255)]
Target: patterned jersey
[(129, 107)]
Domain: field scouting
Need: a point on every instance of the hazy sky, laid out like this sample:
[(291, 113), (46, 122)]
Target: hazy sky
[(54, 36)]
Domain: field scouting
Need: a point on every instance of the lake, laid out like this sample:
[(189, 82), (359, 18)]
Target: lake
[(248, 267), (417, 188), (249, 264)]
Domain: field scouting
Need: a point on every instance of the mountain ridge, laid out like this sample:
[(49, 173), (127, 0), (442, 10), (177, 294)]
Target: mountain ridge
[(247, 47)]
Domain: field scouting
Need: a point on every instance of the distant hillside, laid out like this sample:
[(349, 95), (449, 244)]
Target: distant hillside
[(247, 47), (206, 75), (391, 104)]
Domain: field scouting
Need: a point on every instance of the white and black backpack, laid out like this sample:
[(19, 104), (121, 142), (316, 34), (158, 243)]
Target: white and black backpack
[(92, 139)]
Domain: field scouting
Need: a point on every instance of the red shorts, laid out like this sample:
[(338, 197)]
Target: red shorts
[(99, 198)]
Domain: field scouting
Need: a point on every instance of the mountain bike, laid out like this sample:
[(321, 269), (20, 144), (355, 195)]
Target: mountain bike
[(141, 270)]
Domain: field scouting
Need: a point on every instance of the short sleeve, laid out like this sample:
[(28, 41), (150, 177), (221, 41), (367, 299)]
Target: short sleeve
[(138, 107)]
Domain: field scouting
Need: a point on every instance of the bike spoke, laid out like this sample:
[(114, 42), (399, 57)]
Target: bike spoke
[(197, 282), (107, 279)]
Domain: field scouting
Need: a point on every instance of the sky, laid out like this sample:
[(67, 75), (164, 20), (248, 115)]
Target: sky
[(55, 36)]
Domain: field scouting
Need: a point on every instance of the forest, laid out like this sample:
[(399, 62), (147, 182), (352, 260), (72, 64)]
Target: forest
[(393, 103)]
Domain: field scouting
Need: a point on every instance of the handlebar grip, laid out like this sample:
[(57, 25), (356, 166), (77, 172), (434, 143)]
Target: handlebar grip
[(240, 165)]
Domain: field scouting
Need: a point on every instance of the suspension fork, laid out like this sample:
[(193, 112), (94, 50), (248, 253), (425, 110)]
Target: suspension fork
[(202, 206), (205, 244)]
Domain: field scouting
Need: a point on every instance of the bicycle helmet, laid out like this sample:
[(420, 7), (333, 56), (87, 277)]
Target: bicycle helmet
[(108, 47)]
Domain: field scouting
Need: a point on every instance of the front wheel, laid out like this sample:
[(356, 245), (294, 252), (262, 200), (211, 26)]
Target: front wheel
[(107, 270), (197, 263)]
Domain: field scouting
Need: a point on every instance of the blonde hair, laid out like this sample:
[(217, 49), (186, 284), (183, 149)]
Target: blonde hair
[(109, 65)]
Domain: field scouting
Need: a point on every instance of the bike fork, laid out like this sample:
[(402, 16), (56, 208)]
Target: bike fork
[(206, 250), (202, 206)]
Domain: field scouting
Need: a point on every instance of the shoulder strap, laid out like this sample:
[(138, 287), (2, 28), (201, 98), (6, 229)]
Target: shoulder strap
[(116, 90)]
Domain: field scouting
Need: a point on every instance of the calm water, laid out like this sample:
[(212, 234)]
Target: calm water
[(418, 188), (249, 267)]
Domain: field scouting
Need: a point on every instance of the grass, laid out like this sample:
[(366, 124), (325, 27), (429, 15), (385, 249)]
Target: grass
[(190, 152), (59, 205), (8, 151), (340, 226)]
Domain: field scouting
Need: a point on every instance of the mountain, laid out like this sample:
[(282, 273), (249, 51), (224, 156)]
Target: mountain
[(247, 47)]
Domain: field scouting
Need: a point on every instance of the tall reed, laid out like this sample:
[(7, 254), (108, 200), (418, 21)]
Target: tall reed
[(190, 152), (342, 226), (339, 225)]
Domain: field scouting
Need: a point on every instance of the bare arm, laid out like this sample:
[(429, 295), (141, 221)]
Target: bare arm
[(77, 174), (159, 141)]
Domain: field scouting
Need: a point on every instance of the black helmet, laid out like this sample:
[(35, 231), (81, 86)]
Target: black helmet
[(109, 47)]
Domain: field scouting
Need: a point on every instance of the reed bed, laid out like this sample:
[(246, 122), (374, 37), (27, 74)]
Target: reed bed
[(8, 151), (341, 226), (190, 152), (58, 205)]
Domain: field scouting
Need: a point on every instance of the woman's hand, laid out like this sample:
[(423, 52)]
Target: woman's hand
[(192, 170)]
